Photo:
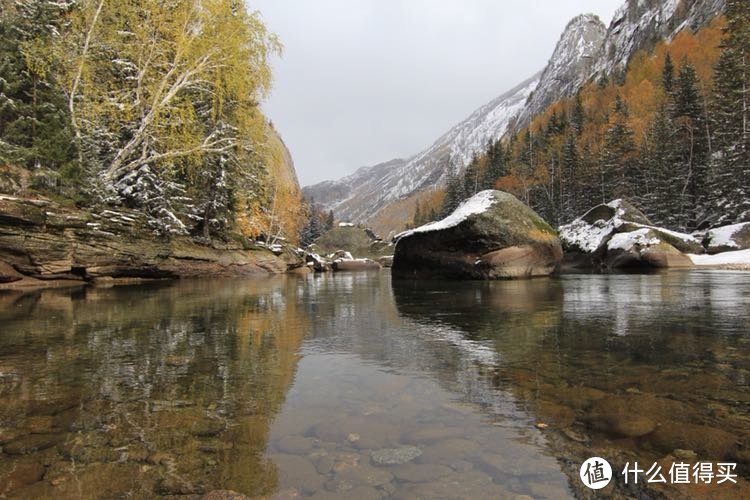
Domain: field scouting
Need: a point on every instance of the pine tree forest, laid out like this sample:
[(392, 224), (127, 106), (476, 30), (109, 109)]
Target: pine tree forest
[(148, 105), (670, 134)]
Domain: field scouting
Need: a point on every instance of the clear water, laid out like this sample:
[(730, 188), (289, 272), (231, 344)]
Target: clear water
[(353, 386)]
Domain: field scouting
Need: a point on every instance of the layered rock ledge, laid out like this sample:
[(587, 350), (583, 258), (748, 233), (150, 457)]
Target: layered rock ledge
[(43, 243)]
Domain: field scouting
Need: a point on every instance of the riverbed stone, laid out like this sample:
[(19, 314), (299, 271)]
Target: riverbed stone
[(359, 493), (555, 414), (298, 472), (374, 433), (432, 434), (395, 456), (708, 442), (446, 451), (366, 475), (296, 445), (419, 473), (634, 415)]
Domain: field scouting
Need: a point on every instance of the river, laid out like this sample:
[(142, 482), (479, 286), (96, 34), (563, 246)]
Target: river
[(357, 386)]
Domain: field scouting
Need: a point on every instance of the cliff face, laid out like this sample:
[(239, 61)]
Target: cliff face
[(42, 242), (640, 24), (284, 188), (569, 67)]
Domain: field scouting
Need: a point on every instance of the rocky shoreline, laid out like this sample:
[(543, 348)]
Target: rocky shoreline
[(44, 244)]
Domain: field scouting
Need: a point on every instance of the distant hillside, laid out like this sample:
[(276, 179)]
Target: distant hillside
[(586, 51)]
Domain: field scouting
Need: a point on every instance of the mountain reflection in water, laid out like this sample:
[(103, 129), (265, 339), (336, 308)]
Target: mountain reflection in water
[(350, 385)]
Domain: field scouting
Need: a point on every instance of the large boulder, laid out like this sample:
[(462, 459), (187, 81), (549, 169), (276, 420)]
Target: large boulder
[(618, 235), (728, 238), (643, 248), (489, 236)]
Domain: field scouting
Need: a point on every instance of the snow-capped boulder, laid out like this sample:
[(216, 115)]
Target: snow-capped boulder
[(589, 233), (489, 236), (619, 235), (643, 248), (728, 238)]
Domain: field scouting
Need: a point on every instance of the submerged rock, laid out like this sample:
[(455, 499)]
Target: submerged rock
[(492, 235), (707, 442), (395, 456)]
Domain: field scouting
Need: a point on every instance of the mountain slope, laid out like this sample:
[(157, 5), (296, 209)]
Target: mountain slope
[(586, 50), (359, 196)]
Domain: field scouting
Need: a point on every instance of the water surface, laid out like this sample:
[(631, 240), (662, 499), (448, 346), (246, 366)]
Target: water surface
[(353, 386)]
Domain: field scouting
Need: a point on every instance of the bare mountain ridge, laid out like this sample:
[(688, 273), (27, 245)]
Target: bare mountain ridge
[(586, 50)]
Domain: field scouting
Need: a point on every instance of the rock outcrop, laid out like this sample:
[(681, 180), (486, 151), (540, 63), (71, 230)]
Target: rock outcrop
[(490, 236), (43, 241), (617, 235), (728, 238)]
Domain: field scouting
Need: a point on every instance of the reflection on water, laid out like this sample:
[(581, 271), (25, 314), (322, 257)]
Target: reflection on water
[(348, 385)]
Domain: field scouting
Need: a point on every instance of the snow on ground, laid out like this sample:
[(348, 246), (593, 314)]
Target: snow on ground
[(477, 204), (720, 259), (626, 241), (722, 236)]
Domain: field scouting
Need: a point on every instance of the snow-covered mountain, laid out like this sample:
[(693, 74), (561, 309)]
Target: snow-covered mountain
[(586, 50), (639, 24), (359, 196)]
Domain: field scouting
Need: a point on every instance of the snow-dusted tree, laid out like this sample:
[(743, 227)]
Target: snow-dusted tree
[(34, 128), (617, 155), (732, 115), (169, 90)]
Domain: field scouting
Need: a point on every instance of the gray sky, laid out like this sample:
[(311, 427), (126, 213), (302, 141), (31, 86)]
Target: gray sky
[(365, 81)]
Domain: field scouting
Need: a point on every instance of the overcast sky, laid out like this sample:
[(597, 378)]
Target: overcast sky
[(365, 81)]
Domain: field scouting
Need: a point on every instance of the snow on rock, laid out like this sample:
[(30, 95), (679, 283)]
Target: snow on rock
[(724, 238), (346, 224), (477, 204), (627, 241), (726, 258), (588, 235)]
